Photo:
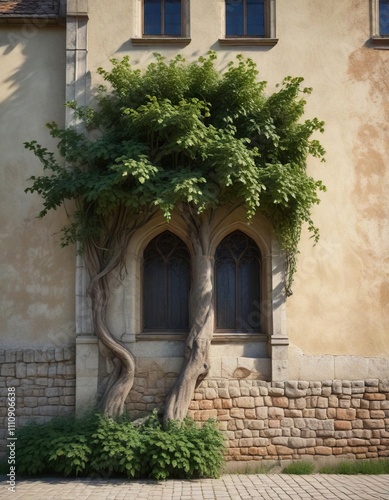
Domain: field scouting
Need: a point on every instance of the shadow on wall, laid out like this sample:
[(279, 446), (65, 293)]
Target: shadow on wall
[(37, 285)]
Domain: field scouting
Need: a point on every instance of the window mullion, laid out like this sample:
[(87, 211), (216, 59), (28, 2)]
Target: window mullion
[(237, 296), (162, 17), (244, 18)]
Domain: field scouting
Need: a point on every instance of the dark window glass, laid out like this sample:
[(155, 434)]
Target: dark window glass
[(245, 17), (162, 17), (384, 17), (237, 283), (172, 21), (234, 18), (166, 281)]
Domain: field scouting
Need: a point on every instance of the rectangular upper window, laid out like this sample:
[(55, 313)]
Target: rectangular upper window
[(249, 22), (163, 18), (384, 17), (245, 18)]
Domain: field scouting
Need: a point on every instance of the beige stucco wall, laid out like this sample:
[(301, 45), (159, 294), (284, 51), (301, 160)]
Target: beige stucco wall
[(341, 291), (37, 276), (339, 307)]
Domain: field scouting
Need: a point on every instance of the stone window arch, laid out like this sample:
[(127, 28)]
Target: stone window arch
[(237, 274), (166, 284)]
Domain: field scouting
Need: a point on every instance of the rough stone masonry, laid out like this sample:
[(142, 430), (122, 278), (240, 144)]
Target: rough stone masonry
[(260, 420)]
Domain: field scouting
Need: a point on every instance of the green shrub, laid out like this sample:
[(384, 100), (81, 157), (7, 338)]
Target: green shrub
[(4, 467), (99, 445), (60, 446), (299, 468), (115, 448), (181, 449)]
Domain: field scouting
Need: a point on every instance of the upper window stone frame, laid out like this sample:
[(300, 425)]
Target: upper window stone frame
[(163, 39), (268, 39), (379, 40)]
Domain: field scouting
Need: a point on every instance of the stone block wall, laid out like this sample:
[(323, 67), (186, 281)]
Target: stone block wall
[(44, 381), (260, 420), (298, 420)]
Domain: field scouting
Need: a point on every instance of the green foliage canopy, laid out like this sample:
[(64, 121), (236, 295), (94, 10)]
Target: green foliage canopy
[(182, 134)]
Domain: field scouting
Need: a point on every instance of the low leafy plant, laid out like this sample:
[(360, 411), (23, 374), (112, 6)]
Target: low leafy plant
[(299, 468), (97, 445), (4, 467), (358, 467), (60, 446), (116, 446), (181, 449)]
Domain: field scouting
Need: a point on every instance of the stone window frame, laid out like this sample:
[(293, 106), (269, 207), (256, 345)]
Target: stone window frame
[(378, 41), (252, 322), (183, 306), (268, 40), (273, 333), (141, 39)]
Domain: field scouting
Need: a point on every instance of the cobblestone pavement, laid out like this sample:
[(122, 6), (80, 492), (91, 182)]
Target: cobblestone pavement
[(228, 487)]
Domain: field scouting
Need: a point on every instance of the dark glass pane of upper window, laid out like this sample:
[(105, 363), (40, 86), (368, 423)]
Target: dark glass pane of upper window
[(384, 17), (245, 17), (255, 18), (166, 281), (172, 18), (225, 293), (249, 295), (152, 17), (154, 299), (178, 290), (237, 287), (234, 18)]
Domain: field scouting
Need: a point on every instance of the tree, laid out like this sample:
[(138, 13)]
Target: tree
[(186, 138)]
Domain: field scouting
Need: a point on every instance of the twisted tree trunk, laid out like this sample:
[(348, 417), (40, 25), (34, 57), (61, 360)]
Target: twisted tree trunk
[(122, 377), (101, 260), (196, 362), (196, 358)]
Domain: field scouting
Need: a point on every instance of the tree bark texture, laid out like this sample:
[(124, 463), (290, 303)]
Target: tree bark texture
[(196, 358), (102, 258), (122, 376)]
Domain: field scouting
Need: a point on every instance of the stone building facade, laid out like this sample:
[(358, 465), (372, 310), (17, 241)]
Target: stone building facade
[(314, 379)]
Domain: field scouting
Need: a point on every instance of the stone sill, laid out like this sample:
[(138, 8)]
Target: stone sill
[(380, 42), (161, 336), (217, 337), (239, 337), (86, 339), (266, 42), (161, 40)]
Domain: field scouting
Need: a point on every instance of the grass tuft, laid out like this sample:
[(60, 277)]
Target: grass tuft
[(299, 468), (357, 467)]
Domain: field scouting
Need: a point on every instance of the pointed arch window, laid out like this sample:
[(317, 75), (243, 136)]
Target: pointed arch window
[(166, 282), (237, 284)]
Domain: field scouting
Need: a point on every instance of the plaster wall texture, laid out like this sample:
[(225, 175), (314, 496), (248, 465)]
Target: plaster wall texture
[(339, 307), (37, 276), (341, 291)]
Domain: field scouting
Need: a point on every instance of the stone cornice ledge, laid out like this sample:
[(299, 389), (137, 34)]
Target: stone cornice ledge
[(86, 339), (280, 340), (162, 40), (380, 42), (158, 336), (265, 42), (239, 337), (216, 338)]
